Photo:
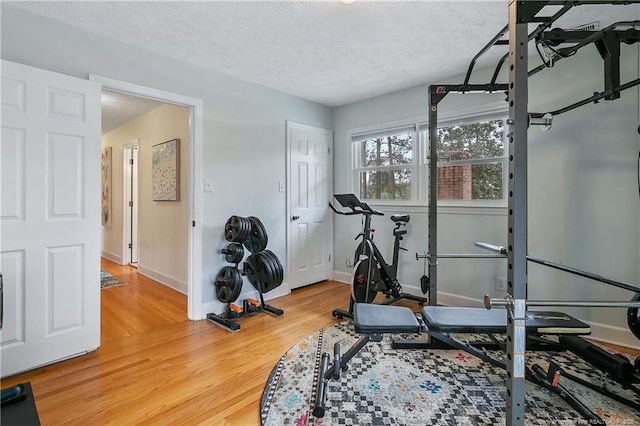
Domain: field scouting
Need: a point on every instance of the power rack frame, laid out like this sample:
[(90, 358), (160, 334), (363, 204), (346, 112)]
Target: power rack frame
[(521, 14)]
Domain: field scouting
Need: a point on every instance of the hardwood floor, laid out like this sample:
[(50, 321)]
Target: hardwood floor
[(156, 367), (140, 306)]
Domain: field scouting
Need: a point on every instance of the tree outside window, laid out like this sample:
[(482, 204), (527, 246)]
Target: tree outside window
[(471, 161), (386, 167)]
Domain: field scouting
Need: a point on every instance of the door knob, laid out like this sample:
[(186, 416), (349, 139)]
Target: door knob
[(295, 217)]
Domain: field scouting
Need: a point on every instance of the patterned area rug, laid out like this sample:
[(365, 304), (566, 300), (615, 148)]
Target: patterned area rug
[(107, 280), (385, 386)]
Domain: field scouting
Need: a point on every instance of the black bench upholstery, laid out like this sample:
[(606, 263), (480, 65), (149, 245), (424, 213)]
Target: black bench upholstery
[(445, 319), (372, 319)]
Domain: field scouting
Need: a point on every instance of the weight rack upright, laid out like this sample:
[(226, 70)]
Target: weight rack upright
[(521, 14)]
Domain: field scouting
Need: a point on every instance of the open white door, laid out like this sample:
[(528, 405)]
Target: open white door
[(50, 217), (310, 221)]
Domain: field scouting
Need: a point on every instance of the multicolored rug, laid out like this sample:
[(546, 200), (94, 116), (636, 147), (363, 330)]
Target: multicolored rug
[(385, 386), (107, 280)]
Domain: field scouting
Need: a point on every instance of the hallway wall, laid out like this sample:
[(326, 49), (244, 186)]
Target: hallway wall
[(162, 225)]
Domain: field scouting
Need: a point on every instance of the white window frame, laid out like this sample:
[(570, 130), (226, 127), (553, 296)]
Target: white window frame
[(420, 166), (416, 166)]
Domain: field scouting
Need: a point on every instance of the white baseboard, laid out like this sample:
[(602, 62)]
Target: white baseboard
[(615, 335), (341, 277), (112, 256), (174, 283)]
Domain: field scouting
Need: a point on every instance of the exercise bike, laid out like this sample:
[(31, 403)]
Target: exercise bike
[(371, 273)]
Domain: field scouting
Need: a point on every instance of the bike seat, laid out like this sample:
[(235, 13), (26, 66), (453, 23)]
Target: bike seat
[(400, 218)]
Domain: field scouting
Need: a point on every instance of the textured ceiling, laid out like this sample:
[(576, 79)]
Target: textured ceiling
[(324, 51), (119, 109)]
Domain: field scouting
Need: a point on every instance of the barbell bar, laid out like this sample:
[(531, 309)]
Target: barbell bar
[(490, 303)]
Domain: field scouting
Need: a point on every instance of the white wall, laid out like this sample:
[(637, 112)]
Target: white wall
[(244, 123), (584, 207), (163, 226)]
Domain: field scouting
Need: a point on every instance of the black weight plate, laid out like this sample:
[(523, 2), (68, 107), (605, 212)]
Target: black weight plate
[(233, 253), (359, 290), (254, 269), (257, 239), (632, 317), (228, 284), (269, 273), (236, 229), (277, 266), (245, 226)]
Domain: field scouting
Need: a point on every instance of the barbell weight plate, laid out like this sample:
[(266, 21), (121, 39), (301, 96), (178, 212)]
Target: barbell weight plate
[(228, 284), (235, 229), (254, 269), (233, 252), (246, 229), (257, 238), (270, 274), (277, 267), (359, 281), (632, 317)]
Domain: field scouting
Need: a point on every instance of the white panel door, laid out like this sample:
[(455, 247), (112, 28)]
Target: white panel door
[(310, 223), (49, 217)]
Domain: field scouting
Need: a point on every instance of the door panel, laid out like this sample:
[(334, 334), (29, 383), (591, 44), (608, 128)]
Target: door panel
[(310, 228), (50, 224)]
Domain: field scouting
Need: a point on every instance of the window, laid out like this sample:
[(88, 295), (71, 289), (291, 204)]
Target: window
[(385, 165), (471, 160), (390, 166)]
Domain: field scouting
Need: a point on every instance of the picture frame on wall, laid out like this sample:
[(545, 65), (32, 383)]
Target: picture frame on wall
[(165, 171), (105, 166)]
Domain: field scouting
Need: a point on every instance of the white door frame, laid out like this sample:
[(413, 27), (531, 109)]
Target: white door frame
[(194, 253), (125, 200), (288, 125)]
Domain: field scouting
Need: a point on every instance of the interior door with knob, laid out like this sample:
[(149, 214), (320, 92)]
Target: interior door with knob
[(310, 236)]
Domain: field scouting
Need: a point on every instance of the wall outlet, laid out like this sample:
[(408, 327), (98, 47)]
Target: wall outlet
[(501, 284)]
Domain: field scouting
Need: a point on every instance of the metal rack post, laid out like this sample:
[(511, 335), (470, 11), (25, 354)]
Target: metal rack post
[(519, 14)]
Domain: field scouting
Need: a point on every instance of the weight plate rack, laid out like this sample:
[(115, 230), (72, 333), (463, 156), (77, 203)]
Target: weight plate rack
[(262, 267)]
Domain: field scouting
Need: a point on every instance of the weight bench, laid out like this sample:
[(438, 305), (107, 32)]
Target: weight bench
[(372, 321)]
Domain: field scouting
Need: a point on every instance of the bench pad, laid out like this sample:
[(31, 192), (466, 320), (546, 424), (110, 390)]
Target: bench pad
[(446, 319), (371, 319)]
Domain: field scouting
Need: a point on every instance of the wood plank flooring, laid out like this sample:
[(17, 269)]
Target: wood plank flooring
[(156, 367)]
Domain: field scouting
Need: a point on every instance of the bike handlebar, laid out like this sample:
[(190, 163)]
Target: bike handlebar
[(366, 210)]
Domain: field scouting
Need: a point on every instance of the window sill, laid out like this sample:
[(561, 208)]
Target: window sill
[(491, 209)]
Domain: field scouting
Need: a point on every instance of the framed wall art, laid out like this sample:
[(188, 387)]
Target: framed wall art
[(165, 174), (105, 165)]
